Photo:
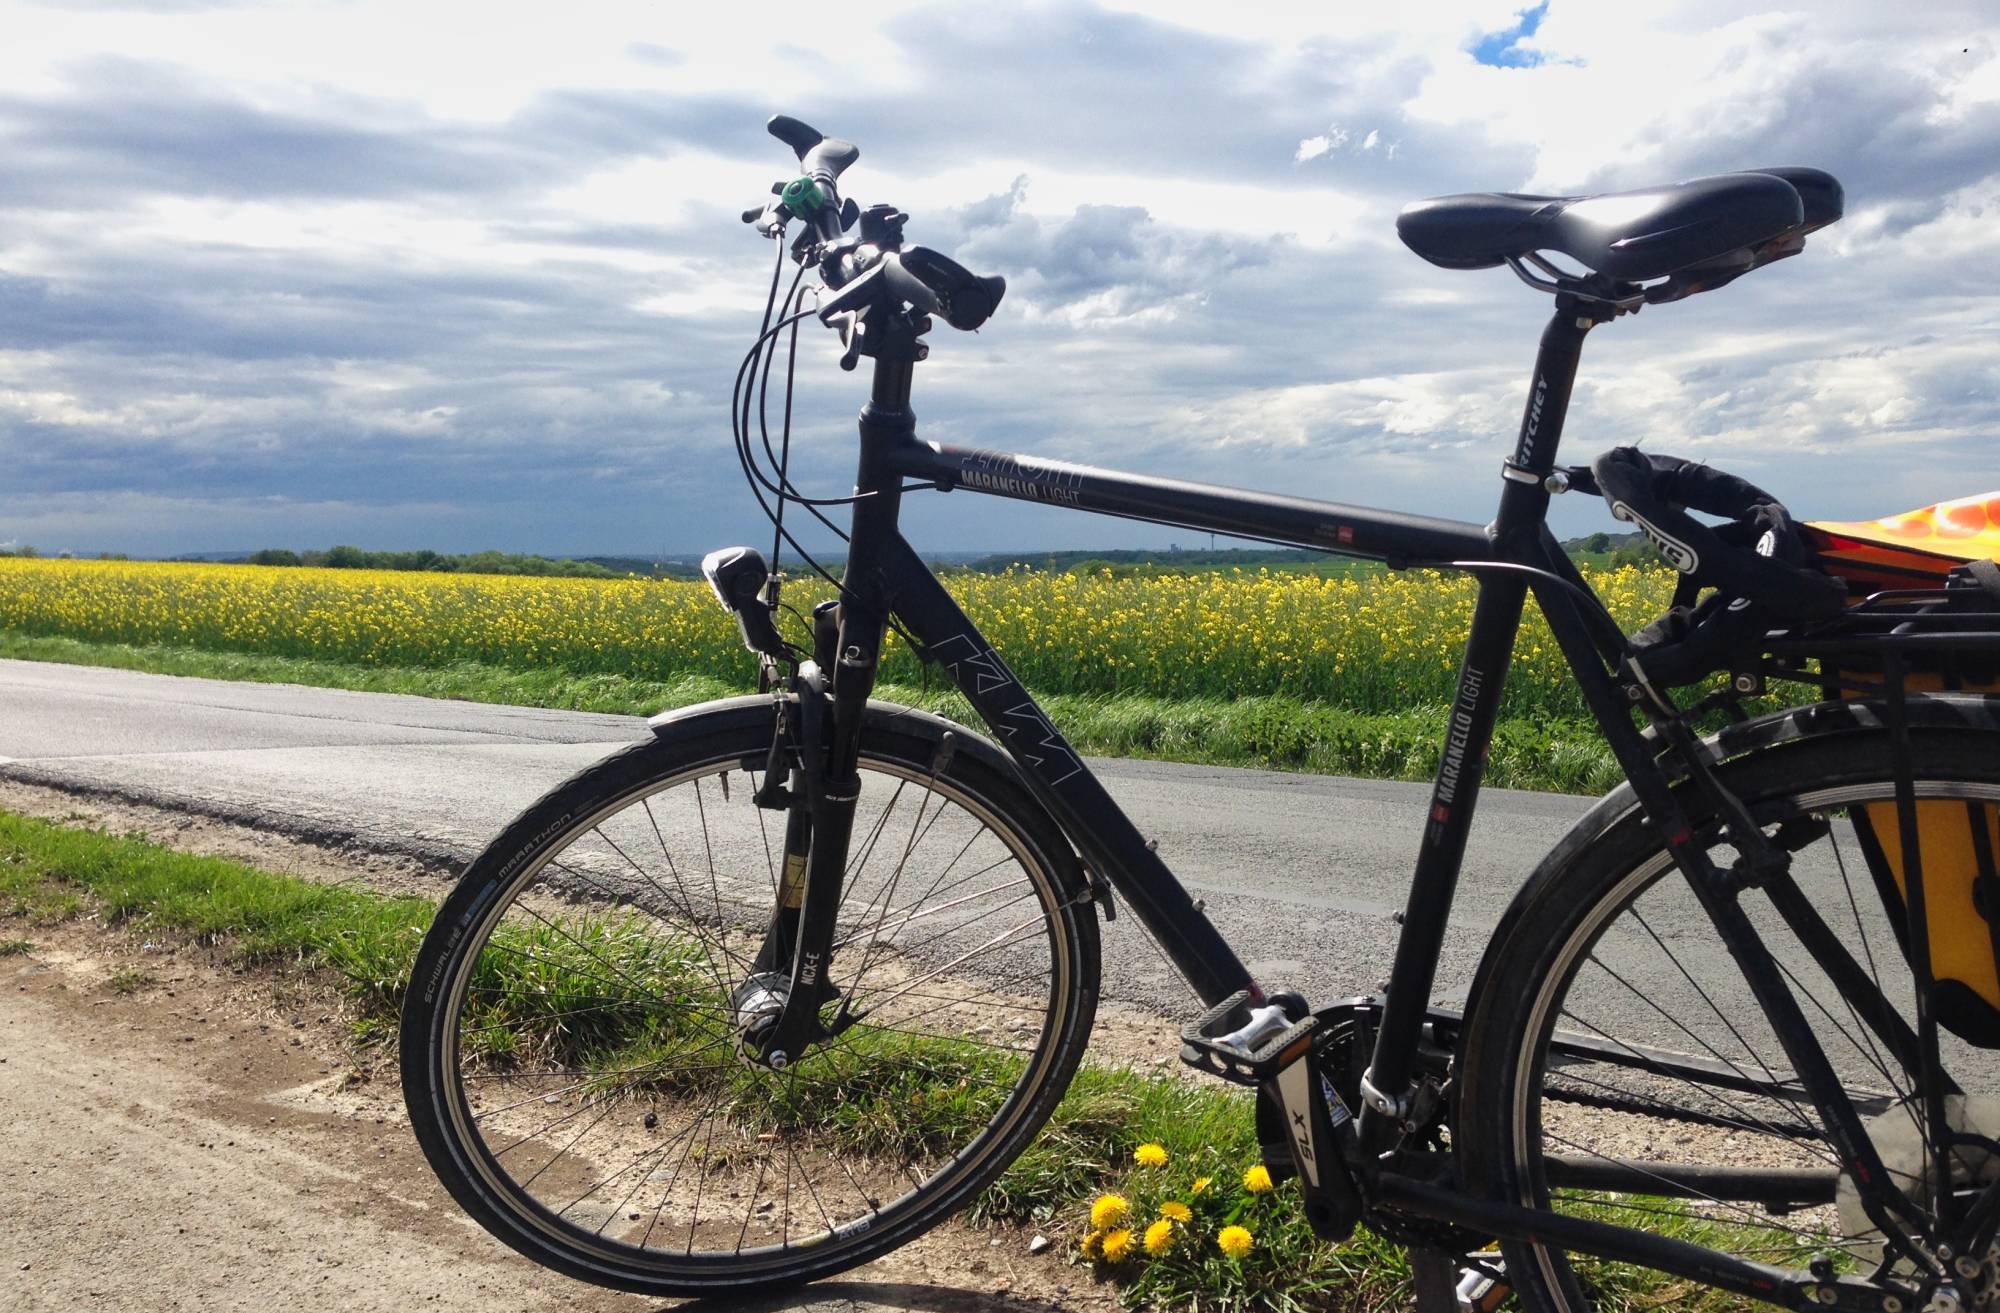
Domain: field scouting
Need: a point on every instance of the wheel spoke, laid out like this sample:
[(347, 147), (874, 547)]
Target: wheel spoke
[(1607, 1122), (601, 1054)]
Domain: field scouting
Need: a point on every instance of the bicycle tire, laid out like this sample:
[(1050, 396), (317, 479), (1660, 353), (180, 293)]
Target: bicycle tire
[(540, 849), (1544, 963)]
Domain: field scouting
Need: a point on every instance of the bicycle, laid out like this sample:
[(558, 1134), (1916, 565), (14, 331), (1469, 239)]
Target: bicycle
[(803, 1017)]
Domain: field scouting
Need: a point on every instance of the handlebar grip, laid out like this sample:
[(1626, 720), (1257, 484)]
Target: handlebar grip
[(826, 161), (965, 299), (904, 284), (821, 157), (801, 137)]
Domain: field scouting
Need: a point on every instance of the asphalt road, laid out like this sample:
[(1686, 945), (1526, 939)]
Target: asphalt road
[(1301, 872)]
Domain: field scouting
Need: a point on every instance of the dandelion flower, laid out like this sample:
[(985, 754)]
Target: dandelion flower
[(1258, 1179), (1108, 1211), (1175, 1211), (1118, 1244), (1200, 1184), (1092, 1244), (1234, 1241), (1159, 1237), (1150, 1155)]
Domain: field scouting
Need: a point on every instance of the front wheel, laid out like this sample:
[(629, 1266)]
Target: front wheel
[(570, 1039), (1617, 1067)]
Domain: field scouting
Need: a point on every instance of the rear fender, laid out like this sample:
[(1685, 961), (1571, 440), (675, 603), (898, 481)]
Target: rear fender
[(1819, 720)]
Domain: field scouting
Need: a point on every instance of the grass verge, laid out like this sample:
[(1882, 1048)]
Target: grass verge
[(260, 919), (1562, 756), (1195, 1182)]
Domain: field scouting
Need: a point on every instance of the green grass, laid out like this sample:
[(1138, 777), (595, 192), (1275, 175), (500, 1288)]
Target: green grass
[(890, 1092), (16, 947), (1558, 755), (132, 980)]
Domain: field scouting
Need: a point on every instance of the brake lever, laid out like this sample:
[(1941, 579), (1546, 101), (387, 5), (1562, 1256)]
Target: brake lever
[(772, 215), (851, 327)]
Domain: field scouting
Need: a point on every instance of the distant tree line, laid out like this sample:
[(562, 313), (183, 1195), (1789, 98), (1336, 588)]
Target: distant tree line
[(356, 558), (27, 550), (1615, 549)]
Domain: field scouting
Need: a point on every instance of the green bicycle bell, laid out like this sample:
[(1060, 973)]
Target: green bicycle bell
[(803, 197)]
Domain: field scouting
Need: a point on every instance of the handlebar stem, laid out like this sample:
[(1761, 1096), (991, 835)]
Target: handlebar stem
[(890, 390)]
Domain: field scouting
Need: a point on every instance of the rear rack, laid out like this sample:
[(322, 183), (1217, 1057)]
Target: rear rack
[(1952, 631)]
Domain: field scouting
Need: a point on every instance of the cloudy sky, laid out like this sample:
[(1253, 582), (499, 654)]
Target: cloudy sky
[(410, 274)]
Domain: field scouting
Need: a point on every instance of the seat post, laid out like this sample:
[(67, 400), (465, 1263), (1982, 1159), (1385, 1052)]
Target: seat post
[(1524, 501)]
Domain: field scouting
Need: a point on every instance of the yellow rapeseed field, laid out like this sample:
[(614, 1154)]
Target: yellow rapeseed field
[(1376, 643)]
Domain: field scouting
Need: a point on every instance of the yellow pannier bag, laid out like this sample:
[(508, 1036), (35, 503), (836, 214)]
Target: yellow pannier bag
[(1958, 842)]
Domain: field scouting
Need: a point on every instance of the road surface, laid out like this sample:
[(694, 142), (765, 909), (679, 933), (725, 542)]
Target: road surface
[(1301, 872)]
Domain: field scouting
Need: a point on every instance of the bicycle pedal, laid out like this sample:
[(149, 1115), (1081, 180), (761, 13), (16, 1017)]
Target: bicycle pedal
[(1482, 1283), (1245, 1042)]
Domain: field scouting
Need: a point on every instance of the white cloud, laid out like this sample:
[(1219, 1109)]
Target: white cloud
[(487, 248)]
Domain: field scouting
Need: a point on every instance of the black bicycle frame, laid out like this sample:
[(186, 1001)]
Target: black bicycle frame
[(886, 578)]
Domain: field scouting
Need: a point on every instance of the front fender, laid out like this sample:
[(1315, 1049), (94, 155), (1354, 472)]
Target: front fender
[(755, 709)]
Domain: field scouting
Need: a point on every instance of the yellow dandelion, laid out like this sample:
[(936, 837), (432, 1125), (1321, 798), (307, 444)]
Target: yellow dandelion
[(1108, 1211), (1159, 1237), (1200, 1184), (1150, 1155), (1116, 1245), (1258, 1179), (1175, 1211), (1092, 1244), (1234, 1241)]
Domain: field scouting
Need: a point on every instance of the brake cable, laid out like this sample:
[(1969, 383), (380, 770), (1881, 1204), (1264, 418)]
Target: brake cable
[(753, 378), (782, 459)]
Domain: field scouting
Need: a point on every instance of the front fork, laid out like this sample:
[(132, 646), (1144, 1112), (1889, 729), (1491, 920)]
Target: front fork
[(780, 1008), (832, 693)]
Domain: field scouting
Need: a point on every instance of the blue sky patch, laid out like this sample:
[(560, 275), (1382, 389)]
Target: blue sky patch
[(1503, 49)]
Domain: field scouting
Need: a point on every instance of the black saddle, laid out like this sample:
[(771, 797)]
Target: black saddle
[(1700, 234)]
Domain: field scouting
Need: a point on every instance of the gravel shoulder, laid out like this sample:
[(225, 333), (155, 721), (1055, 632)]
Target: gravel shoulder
[(171, 1151), (209, 1140)]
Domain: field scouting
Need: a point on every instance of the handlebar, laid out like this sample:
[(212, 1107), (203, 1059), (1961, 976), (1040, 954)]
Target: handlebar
[(861, 253), (929, 283)]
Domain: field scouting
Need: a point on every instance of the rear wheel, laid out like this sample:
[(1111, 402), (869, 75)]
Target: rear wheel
[(1617, 1067), (570, 1055)]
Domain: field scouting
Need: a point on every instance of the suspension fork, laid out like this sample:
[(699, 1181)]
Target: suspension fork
[(831, 706)]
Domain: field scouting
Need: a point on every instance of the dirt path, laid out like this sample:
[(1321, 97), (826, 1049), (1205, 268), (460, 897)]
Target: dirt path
[(204, 1142)]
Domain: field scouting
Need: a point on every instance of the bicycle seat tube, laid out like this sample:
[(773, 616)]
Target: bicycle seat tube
[(1388, 1092)]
